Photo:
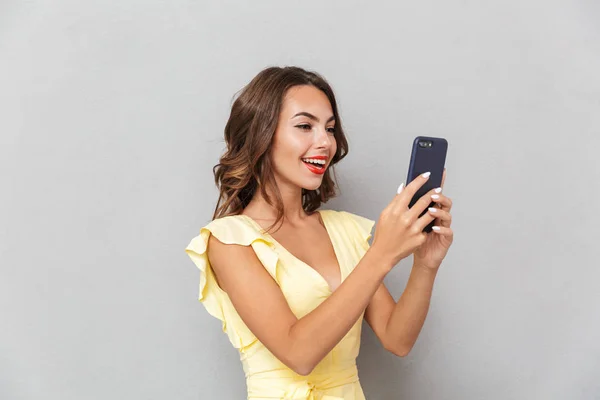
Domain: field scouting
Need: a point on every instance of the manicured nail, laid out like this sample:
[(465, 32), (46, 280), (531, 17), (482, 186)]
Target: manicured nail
[(400, 188), (435, 228), (433, 210), (426, 174), (435, 196), (438, 190)]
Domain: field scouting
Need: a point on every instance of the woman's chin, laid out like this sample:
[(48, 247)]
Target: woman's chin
[(311, 187)]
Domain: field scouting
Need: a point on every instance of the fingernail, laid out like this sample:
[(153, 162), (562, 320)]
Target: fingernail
[(438, 190), (432, 209), (426, 174), (435, 196), (435, 228), (400, 188)]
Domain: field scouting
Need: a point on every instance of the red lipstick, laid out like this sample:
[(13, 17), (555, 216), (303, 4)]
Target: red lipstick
[(316, 168)]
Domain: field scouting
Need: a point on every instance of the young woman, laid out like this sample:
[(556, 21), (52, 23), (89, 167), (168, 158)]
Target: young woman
[(292, 299)]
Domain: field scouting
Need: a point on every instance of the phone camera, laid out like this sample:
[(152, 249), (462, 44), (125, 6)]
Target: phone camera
[(425, 144)]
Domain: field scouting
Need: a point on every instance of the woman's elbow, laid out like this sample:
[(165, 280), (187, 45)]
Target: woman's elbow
[(304, 370), (299, 365), (398, 350)]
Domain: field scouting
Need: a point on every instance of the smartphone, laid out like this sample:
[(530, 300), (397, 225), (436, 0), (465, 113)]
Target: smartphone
[(428, 154)]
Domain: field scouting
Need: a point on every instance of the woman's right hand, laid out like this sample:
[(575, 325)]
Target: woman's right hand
[(399, 230)]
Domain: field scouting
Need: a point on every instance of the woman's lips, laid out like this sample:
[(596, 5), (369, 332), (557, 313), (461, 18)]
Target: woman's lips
[(319, 170)]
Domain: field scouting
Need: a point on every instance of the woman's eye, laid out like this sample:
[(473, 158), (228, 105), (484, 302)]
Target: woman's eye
[(307, 127)]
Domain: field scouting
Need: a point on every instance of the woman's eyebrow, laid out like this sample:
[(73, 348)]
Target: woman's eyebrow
[(314, 118)]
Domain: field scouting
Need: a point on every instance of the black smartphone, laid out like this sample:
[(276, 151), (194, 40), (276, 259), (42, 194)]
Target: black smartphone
[(428, 154)]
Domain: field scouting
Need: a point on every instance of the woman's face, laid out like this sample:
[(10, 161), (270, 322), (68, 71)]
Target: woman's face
[(305, 129)]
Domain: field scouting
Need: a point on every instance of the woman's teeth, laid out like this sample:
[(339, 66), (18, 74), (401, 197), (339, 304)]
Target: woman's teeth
[(314, 161)]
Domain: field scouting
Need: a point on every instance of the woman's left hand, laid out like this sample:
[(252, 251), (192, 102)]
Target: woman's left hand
[(431, 253)]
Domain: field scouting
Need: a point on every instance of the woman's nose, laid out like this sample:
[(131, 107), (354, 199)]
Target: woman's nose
[(321, 136)]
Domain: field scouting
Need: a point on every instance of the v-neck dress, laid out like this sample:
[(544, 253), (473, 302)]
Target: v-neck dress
[(336, 376)]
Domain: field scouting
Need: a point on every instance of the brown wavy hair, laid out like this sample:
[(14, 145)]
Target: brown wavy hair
[(246, 166)]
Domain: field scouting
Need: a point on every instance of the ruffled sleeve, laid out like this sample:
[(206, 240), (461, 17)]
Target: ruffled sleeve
[(229, 230), (361, 228)]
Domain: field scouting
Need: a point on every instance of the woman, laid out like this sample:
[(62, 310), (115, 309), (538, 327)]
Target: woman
[(292, 300)]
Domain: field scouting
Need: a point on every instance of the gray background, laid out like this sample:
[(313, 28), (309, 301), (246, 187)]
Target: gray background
[(112, 116)]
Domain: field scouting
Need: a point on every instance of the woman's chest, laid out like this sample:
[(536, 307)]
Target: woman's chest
[(306, 286), (315, 254)]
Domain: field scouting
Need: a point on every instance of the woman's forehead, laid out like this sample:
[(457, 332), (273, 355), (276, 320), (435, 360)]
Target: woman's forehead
[(306, 98)]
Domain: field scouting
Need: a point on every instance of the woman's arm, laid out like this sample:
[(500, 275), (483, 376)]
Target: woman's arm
[(299, 343), (397, 325), (302, 343)]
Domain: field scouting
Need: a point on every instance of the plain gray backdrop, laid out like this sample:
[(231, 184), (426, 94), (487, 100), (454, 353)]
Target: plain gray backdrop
[(112, 116)]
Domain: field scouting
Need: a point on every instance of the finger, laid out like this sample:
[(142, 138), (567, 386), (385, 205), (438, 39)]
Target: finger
[(443, 178), (441, 201), (443, 218), (421, 205), (424, 220), (442, 230), (403, 198)]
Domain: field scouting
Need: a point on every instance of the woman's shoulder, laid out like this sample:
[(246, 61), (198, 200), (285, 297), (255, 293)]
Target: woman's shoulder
[(353, 224), (234, 229), (354, 219), (229, 230)]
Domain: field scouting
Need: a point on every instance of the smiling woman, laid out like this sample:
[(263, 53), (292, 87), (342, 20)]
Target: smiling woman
[(292, 300), (275, 119)]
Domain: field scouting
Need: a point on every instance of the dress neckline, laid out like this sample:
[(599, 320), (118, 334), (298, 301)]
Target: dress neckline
[(326, 224)]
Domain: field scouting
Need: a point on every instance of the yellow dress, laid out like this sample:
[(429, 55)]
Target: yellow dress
[(335, 377)]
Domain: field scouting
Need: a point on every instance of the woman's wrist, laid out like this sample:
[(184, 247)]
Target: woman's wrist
[(425, 269), (382, 262)]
